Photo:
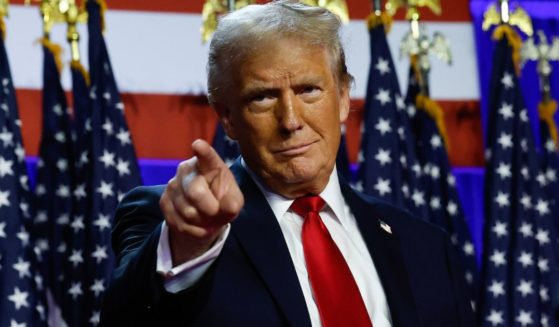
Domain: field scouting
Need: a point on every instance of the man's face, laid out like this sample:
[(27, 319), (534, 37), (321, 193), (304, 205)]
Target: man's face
[(285, 110)]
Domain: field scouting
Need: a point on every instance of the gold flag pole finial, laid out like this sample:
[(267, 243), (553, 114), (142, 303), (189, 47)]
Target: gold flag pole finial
[(4, 12), (517, 17), (73, 15), (379, 17), (543, 53)]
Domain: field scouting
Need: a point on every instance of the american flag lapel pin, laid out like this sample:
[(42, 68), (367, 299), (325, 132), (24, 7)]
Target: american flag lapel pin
[(385, 227)]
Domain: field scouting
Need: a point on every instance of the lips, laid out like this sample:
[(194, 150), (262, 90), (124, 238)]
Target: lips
[(294, 150)]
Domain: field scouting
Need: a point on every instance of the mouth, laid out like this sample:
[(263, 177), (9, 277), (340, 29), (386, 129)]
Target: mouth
[(295, 150)]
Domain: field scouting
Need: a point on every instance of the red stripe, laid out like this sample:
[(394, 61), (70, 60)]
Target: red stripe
[(452, 11), (164, 126)]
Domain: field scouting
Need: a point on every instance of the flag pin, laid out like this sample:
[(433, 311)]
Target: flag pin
[(385, 226)]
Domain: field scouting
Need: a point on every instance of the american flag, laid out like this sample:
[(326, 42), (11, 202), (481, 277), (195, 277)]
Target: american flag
[(22, 297), (549, 156), (388, 167), (440, 194), (519, 276), (56, 177), (107, 170)]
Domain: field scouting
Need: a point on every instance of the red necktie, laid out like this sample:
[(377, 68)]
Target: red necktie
[(335, 291)]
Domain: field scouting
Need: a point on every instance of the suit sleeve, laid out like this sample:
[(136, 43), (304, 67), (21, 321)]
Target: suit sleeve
[(136, 295)]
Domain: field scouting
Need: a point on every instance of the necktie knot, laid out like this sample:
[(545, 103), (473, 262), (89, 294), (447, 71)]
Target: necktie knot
[(311, 203)]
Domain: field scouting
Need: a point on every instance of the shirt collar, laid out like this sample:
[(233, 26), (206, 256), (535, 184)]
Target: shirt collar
[(332, 195)]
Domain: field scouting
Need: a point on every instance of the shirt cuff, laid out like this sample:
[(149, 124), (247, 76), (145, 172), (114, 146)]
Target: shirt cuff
[(185, 275)]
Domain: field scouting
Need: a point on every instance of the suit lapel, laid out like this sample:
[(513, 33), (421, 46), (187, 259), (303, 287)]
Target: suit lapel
[(384, 246), (259, 234)]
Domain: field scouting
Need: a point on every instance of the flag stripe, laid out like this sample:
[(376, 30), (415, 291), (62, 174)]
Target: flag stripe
[(457, 10), (181, 57)]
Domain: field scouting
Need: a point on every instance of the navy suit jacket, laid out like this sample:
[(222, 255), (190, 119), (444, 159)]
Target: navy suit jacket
[(253, 281)]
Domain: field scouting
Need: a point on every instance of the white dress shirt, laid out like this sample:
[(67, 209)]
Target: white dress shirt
[(343, 228)]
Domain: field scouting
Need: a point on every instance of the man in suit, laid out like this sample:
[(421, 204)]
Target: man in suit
[(277, 239)]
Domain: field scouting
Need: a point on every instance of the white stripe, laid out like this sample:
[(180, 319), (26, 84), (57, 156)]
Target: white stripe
[(163, 53)]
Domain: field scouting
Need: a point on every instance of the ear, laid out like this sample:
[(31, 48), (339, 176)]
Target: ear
[(344, 103), (225, 118)]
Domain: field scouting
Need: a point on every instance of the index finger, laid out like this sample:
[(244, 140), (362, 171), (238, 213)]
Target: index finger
[(208, 159)]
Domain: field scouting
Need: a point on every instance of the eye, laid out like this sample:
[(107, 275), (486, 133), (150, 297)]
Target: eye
[(261, 101), (310, 92)]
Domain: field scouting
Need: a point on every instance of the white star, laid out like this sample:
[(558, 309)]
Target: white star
[(100, 253), (544, 294), (97, 287), (542, 236), (542, 207), (551, 175), (107, 158), (107, 96), (23, 236), (102, 222), (108, 127), (450, 179), (57, 109), (360, 156), (524, 287), (5, 167), (524, 145), (506, 111), (76, 257), (502, 199), (22, 268), (106, 189), (504, 170), (496, 288), (41, 217), (383, 157), (526, 201), (63, 191), (383, 186), (498, 258), (526, 229), (95, 318), (40, 190), (4, 198), (79, 192), (416, 168), (507, 80), (525, 259), (383, 126), (20, 152), (60, 137), (19, 298), (543, 264), (505, 140), (6, 137), (2, 230), (500, 229), (122, 167), (452, 208), (495, 317), (382, 66), (77, 224), (436, 141), (435, 203), (14, 323), (524, 318), (524, 115), (400, 103), (75, 290), (418, 198), (358, 186), (541, 179), (468, 248), (383, 96), (62, 164), (124, 137), (63, 219), (550, 146)]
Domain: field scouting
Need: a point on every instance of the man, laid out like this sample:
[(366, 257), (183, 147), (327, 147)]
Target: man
[(277, 239)]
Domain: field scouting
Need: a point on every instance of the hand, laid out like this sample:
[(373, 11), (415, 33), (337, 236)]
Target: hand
[(198, 202)]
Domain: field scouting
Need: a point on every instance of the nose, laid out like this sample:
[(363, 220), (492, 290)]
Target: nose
[(290, 113)]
